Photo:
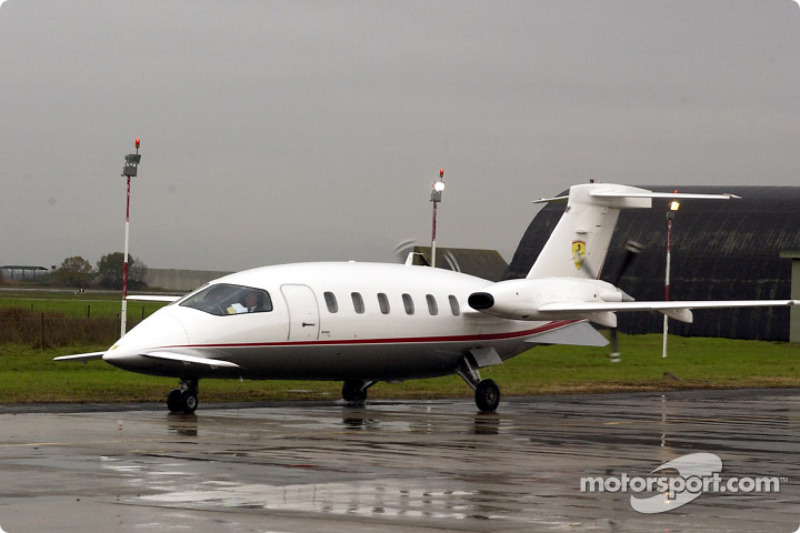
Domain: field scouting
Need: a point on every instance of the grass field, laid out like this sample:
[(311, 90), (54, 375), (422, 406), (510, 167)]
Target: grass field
[(92, 304), (28, 374)]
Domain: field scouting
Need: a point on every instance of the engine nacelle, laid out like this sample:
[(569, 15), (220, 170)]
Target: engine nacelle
[(520, 299)]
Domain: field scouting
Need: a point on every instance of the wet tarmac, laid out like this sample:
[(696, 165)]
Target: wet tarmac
[(395, 466)]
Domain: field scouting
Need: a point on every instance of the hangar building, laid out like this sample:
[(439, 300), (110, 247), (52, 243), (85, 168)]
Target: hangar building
[(721, 250)]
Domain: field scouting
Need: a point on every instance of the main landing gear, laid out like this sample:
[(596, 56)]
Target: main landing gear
[(355, 392), (184, 399), (487, 393)]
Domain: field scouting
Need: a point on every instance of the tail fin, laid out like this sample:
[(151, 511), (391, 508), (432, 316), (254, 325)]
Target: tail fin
[(578, 246), (579, 243)]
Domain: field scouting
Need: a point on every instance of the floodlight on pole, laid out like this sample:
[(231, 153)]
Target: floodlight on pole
[(436, 197), (673, 208), (129, 170)]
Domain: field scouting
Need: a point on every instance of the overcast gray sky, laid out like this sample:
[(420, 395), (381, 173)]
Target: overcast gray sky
[(299, 131)]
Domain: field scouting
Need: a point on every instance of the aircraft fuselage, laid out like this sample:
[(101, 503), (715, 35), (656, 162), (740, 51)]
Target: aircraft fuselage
[(327, 321)]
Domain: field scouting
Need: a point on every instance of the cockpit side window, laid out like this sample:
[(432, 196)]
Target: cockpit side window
[(224, 299)]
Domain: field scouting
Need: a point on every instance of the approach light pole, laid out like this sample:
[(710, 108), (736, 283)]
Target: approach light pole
[(436, 197), (129, 170), (673, 208)]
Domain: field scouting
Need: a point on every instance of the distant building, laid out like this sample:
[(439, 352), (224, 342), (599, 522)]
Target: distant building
[(22, 272), (181, 281), (721, 250), (486, 264)]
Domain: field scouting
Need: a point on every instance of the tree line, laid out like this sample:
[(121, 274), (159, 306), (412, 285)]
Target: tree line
[(77, 272)]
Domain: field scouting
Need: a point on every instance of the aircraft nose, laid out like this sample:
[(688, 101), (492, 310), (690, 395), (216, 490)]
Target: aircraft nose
[(158, 331)]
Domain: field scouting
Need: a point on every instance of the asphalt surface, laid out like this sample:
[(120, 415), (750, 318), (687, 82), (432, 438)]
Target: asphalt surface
[(397, 466)]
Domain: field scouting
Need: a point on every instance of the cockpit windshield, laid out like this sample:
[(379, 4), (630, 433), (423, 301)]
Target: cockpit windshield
[(224, 299)]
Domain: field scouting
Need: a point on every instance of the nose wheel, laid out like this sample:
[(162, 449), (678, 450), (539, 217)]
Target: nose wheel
[(184, 399), (355, 392)]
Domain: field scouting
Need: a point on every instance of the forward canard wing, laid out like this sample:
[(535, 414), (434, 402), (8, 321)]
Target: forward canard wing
[(171, 356), (82, 357)]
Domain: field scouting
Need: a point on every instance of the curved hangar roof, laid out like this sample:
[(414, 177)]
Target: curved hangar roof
[(721, 250)]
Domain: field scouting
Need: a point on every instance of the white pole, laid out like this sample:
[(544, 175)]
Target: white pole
[(433, 237), (666, 284), (124, 312), (132, 162), (436, 197)]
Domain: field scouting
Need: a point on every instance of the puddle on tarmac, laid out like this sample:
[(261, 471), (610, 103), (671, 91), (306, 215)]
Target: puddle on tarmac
[(365, 498)]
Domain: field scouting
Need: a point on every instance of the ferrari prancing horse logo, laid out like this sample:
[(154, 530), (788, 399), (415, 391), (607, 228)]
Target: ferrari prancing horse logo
[(578, 253)]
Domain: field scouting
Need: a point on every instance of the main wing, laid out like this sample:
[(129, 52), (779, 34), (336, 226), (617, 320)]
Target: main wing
[(677, 310), (154, 297)]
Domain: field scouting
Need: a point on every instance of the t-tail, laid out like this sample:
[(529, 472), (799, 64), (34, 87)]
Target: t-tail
[(563, 283), (578, 246)]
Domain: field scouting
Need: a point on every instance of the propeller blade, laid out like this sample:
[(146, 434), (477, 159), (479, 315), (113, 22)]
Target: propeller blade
[(403, 248), (632, 250)]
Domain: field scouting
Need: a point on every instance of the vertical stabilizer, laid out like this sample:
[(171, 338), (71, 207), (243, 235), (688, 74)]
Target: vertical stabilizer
[(579, 243)]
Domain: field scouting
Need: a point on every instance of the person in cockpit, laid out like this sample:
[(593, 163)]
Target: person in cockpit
[(251, 302)]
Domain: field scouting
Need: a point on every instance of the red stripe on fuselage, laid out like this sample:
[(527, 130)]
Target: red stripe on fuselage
[(399, 340)]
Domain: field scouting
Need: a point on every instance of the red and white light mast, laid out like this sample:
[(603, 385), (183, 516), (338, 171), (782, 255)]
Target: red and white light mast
[(436, 197), (673, 208), (129, 170)]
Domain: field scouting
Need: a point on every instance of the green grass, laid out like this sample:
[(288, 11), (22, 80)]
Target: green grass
[(30, 375), (77, 305)]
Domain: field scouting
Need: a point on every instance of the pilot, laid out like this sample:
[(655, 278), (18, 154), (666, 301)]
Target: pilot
[(251, 302)]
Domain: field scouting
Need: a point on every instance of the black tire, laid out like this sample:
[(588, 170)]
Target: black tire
[(487, 396), (189, 402), (352, 393), (174, 403)]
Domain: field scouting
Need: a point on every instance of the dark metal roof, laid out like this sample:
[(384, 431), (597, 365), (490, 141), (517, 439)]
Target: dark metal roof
[(486, 264), (721, 250), (22, 267)]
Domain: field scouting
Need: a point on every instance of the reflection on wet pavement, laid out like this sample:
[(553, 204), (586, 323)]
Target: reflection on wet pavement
[(398, 466)]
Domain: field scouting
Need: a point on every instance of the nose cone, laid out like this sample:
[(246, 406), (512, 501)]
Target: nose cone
[(162, 329)]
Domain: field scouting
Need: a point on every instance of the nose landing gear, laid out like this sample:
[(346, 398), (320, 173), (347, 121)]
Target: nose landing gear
[(355, 392), (184, 399)]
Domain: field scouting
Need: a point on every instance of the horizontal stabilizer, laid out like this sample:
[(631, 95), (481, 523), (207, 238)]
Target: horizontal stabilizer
[(575, 334), (187, 359), (665, 195)]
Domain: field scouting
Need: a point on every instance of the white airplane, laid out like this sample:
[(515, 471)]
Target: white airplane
[(361, 323)]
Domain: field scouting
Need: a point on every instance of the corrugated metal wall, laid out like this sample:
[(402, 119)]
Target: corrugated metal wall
[(180, 280), (721, 250)]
